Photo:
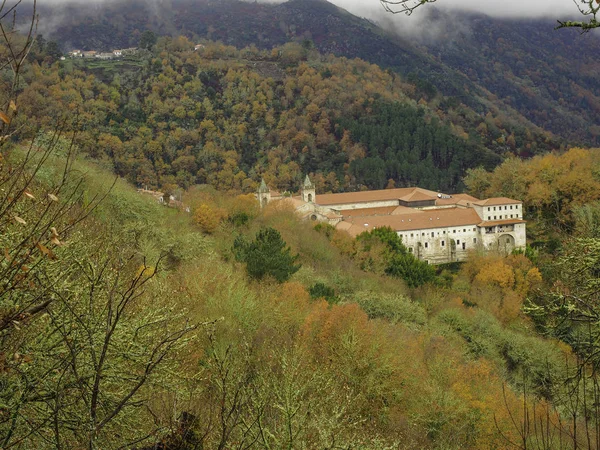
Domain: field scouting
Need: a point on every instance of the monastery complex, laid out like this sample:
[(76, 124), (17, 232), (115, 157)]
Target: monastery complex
[(435, 227)]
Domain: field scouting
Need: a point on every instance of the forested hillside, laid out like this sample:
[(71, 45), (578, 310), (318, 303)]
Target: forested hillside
[(129, 324), (521, 68), (176, 117)]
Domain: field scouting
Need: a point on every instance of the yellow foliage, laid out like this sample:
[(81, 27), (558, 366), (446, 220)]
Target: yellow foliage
[(209, 217), (498, 273)]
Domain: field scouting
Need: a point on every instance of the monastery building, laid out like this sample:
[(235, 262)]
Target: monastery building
[(435, 227)]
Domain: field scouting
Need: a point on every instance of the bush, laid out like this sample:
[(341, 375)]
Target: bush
[(320, 290), (393, 307)]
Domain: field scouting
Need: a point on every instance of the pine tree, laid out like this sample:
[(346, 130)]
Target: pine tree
[(266, 255)]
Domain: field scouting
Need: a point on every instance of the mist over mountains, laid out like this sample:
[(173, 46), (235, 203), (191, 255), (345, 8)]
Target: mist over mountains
[(522, 67)]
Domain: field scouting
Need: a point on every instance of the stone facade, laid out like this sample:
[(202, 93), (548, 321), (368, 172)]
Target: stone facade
[(435, 227)]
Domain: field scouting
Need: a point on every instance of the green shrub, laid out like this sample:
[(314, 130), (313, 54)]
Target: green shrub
[(321, 290), (393, 307)]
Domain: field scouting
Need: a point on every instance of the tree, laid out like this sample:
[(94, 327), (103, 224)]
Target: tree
[(396, 259), (148, 40), (267, 255), (208, 217), (77, 350)]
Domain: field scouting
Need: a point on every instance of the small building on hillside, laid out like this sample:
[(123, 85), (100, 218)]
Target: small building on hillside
[(129, 51), (435, 227), (105, 55), (89, 54)]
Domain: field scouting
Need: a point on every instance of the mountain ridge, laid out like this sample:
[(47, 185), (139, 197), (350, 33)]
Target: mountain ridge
[(549, 77)]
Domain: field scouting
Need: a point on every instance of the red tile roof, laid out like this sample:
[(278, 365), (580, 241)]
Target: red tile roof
[(495, 201), (438, 218), (493, 223), (372, 196)]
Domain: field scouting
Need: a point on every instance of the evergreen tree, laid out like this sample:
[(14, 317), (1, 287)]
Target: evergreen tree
[(266, 255), (398, 261)]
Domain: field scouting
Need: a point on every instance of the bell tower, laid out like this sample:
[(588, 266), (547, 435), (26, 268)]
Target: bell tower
[(308, 191), (263, 194)]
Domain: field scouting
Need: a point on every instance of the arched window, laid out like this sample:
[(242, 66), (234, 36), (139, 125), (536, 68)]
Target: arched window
[(313, 217), (310, 197)]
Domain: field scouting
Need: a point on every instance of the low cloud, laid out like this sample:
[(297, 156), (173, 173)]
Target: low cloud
[(498, 8)]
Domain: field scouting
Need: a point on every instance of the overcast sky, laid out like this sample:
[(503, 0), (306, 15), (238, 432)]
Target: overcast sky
[(505, 8), (554, 9)]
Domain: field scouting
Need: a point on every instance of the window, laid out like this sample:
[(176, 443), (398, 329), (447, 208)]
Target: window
[(464, 245), (426, 244), (444, 231), (410, 249), (464, 230), (443, 243), (411, 235), (454, 231), (488, 208), (432, 234), (508, 240), (474, 240), (511, 206), (313, 217), (489, 217), (458, 241), (474, 229), (511, 216), (506, 207), (494, 208), (422, 234), (494, 217)]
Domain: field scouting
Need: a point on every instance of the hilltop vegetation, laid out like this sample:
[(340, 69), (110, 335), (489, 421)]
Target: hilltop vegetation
[(227, 117), (521, 69)]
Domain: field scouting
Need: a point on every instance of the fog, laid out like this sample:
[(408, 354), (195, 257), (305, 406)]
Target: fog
[(497, 8)]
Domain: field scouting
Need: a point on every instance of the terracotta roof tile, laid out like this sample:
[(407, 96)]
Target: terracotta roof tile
[(493, 223), (494, 201), (456, 199), (419, 195), (381, 211), (369, 196), (405, 210), (440, 218)]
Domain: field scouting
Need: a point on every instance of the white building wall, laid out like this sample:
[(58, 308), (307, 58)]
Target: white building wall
[(362, 205), (495, 238), (501, 212), (436, 243)]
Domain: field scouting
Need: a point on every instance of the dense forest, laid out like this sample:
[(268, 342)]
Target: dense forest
[(127, 324), (519, 67), (175, 117)]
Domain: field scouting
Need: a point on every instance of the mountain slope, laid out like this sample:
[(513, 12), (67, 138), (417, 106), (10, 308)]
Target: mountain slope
[(523, 68)]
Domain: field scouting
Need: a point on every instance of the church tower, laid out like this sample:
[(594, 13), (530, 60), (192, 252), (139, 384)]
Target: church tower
[(308, 191), (264, 194)]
